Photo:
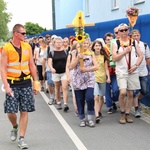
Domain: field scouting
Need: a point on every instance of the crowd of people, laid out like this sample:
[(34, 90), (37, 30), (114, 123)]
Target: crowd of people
[(61, 63)]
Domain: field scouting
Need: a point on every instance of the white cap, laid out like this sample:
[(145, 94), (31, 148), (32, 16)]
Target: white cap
[(122, 24), (53, 36), (101, 40)]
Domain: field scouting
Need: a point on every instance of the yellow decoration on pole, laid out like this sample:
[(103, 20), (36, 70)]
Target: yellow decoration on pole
[(78, 21), (132, 20)]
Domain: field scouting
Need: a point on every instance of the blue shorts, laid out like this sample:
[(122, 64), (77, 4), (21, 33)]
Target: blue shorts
[(144, 86), (49, 78), (99, 89), (23, 99)]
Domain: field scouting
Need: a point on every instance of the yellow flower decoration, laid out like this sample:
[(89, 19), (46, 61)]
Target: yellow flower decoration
[(80, 38)]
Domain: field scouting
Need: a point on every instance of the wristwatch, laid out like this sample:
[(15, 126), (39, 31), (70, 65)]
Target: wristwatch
[(136, 65)]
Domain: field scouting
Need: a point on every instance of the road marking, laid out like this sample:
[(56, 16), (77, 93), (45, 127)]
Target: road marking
[(65, 125)]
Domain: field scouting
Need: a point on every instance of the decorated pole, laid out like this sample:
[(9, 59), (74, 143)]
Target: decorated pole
[(132, 15), (78, 23)]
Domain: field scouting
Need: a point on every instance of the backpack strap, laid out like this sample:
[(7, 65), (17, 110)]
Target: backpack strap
[(133, 44), (118, 45), (48, 51), (145, 45), (39, 51)]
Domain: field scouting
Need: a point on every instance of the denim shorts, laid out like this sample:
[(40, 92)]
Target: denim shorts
[(144, 86), (23, 99), (99, 89), (49, 78)]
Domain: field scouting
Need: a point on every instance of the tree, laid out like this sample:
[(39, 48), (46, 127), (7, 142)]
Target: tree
[(4, 20), (33, 28)]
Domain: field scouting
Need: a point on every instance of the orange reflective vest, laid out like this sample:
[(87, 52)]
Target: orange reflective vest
[(14, 67)]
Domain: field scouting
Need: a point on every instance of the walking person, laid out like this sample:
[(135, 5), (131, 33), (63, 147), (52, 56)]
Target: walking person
[(83, 80), (100, 77), (70, 72), (143, 72), (57, 64), (127, 57), (17, 69), (112, 90)]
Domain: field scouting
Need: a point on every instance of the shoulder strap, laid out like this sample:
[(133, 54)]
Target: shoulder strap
[(48, 51), (133, 44), (145, 45), (118, 45), (39, 50)]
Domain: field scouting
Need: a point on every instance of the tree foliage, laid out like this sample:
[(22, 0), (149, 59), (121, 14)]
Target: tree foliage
[(33, 28), (4, 20)]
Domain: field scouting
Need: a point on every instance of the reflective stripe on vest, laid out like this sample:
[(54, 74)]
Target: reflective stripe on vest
[(17, 71)]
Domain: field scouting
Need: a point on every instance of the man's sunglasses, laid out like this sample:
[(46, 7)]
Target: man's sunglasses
[(23, 33), (123, 30)]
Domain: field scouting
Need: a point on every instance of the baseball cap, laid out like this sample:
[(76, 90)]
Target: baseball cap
[(122, 24)]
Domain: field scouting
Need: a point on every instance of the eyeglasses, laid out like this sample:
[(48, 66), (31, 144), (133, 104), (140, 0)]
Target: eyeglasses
[(23, 33), (116, 32), (122, 30)]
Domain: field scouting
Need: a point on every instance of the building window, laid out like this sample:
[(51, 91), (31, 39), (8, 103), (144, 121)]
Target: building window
[(138, 1), (115, 4), (87, 9)]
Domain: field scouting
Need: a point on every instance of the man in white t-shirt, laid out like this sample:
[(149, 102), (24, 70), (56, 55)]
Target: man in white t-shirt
[(126, 70), (143, 72)]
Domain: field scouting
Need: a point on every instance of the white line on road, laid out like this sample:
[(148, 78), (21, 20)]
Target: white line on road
[(65, 125)]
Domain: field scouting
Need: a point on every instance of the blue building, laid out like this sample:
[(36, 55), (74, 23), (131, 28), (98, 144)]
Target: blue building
[(96, 11)]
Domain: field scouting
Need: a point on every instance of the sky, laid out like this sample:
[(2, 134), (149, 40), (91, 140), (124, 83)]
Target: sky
[(35, 11)]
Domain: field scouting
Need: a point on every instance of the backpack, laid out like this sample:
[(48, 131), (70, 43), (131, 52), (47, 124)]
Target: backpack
[(113, 64), (52, 52)]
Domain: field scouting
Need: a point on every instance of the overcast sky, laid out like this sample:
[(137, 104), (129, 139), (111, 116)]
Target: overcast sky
[(35, 11)]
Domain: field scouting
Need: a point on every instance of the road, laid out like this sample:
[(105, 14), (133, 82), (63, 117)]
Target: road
[(50, 129)]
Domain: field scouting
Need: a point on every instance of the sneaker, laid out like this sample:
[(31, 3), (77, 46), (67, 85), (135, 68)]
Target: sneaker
[(42, 89), (82, 123), (47, 91), (97, 119), (137, 113), (51, 101), (114, 107), (110, 111), (122, 119), (66, 108), (22, 144), (59, 106), (128, 119), (13, 135), (91, 123)]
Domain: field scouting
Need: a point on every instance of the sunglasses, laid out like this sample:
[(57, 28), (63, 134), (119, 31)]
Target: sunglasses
[(122, 30), (116, 32), (23, 33)]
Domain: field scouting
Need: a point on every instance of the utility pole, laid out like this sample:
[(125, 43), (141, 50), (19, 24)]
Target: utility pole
[(53, 14)]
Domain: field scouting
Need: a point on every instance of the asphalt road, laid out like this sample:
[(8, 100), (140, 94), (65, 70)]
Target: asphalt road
[(50, 129)]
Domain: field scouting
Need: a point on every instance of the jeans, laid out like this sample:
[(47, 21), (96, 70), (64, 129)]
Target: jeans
[(112, 91), (82, 96)]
